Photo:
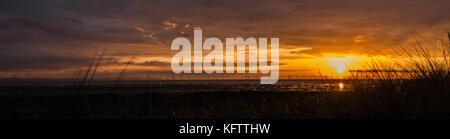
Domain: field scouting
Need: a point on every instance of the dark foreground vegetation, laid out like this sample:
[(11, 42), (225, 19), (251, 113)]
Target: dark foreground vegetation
[(371, 101)]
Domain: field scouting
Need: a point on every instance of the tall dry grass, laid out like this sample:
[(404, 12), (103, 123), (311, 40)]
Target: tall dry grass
[(416, 83)]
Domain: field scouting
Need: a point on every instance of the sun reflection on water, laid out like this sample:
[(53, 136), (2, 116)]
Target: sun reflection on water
[(341, 85)]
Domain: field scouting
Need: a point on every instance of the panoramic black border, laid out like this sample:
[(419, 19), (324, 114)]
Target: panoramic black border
[(296, 128)]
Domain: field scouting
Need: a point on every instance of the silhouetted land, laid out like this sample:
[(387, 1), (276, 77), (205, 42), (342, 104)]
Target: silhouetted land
[(290, 99)]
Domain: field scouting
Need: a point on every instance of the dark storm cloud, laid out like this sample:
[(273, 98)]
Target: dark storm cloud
[(50, 19), (320, 24)]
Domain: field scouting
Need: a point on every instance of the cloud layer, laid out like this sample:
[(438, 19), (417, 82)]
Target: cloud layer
[(64, 34)]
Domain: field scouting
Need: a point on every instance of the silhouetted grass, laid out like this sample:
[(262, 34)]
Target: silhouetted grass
[(97, 65), (418, 85), (125, 68)]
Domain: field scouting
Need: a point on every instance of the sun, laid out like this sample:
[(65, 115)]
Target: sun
[(338, 66), (340, 69)]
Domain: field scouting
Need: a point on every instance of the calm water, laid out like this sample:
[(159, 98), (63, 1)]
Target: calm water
[(55, 87)]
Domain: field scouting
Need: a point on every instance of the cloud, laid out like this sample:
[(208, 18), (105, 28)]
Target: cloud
[(169, 25), (152, 63), (34, 33)]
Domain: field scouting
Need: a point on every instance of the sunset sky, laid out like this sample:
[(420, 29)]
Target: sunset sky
[(54, 38)]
